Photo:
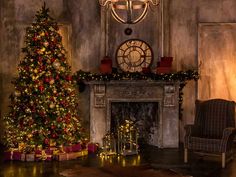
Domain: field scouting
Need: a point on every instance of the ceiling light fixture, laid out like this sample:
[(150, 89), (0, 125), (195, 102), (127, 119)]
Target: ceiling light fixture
[(129, 11)]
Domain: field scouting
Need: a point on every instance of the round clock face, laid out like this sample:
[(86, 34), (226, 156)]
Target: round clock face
[(133, 55)]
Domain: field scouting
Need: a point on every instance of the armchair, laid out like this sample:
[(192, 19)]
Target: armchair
[(213, 130)]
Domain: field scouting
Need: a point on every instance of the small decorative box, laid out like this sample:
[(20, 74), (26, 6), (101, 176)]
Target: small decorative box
[(38, 155), (61, 156), (76, 147), (49, 154), (23, 157), (16, 155), (8, 155), (92, 147), (72, 155), (67, 149), (30, 157)]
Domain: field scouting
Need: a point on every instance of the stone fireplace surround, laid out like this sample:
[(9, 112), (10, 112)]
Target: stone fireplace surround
[(103, 93)]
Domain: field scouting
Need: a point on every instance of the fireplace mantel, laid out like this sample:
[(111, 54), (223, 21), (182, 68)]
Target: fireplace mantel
[(103, 93)]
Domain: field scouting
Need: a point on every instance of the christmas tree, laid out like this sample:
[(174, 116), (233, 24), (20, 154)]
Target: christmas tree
[(44, 105)]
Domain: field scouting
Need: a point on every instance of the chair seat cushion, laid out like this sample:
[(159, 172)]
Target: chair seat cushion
[(203, 144)]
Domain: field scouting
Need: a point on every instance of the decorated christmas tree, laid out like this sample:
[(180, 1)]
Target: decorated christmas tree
[(44, 105)]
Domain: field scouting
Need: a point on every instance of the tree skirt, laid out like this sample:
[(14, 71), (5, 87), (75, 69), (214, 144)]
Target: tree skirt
[(118, 171)]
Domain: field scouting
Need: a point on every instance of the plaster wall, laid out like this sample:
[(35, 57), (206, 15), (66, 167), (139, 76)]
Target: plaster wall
[(185, 18)]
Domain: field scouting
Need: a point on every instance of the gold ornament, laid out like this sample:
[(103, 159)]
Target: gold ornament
[(35, 71), (56, 64), (51, 81), (43, 49), (52, 105), (46, 44), (42, 34), (62, 69), (27, 110), (17, 93), (30, 135)]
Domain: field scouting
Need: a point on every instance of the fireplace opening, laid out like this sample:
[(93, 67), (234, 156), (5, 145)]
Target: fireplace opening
[(144, 115)]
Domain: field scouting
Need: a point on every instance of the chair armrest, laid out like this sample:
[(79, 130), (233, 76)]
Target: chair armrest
[(227, 138), (228, 131)]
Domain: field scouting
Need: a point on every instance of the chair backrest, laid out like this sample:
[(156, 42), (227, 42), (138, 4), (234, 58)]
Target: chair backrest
[(213, 116)]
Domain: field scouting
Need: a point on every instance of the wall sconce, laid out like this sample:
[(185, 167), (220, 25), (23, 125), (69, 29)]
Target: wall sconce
[(129, 11)]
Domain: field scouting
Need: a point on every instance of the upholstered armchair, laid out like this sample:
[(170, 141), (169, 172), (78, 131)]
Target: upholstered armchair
[(213, 130)]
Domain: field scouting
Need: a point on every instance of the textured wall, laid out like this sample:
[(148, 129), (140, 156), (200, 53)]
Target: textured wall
[(147, 30), (185, 17), (217, 54)]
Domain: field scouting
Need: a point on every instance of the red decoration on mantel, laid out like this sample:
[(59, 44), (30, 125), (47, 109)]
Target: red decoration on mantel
[(164, 66), (106, 65)]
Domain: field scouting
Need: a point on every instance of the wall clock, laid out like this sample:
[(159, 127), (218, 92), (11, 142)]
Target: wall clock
[(133, 55)]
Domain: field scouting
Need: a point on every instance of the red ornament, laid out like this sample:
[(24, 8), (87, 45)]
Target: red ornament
[(68, 78), (46, 80), (42, 114), (57, 77), (46, 141), (41, 88), (40, 59), (54, 136), (59, 119), (53, 127), (53, 59)]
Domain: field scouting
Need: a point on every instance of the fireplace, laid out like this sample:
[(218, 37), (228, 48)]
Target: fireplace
[(152, 105), (144, 115)]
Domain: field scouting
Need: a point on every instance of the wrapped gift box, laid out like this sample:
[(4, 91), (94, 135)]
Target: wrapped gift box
[(60, 156), (76, 147), (38, 155), (23, 157), (8, 155), (16, 155), (67, 149), (49, 154), (84, 152), (72, 155), (30, 157), (92, 147)]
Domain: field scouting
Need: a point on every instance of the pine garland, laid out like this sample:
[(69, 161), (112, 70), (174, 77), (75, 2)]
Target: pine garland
[(181, 76)]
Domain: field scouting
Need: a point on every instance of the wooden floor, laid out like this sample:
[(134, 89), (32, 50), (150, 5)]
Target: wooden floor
[(151, 156)]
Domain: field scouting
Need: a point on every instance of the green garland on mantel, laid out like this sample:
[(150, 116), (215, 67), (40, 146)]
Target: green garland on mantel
[(181, 76)]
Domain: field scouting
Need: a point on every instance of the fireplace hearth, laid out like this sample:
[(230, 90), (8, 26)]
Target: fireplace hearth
[(152, 105)]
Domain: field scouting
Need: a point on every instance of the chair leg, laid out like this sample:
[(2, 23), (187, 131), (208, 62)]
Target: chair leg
[(223, 160), (185, 155)]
